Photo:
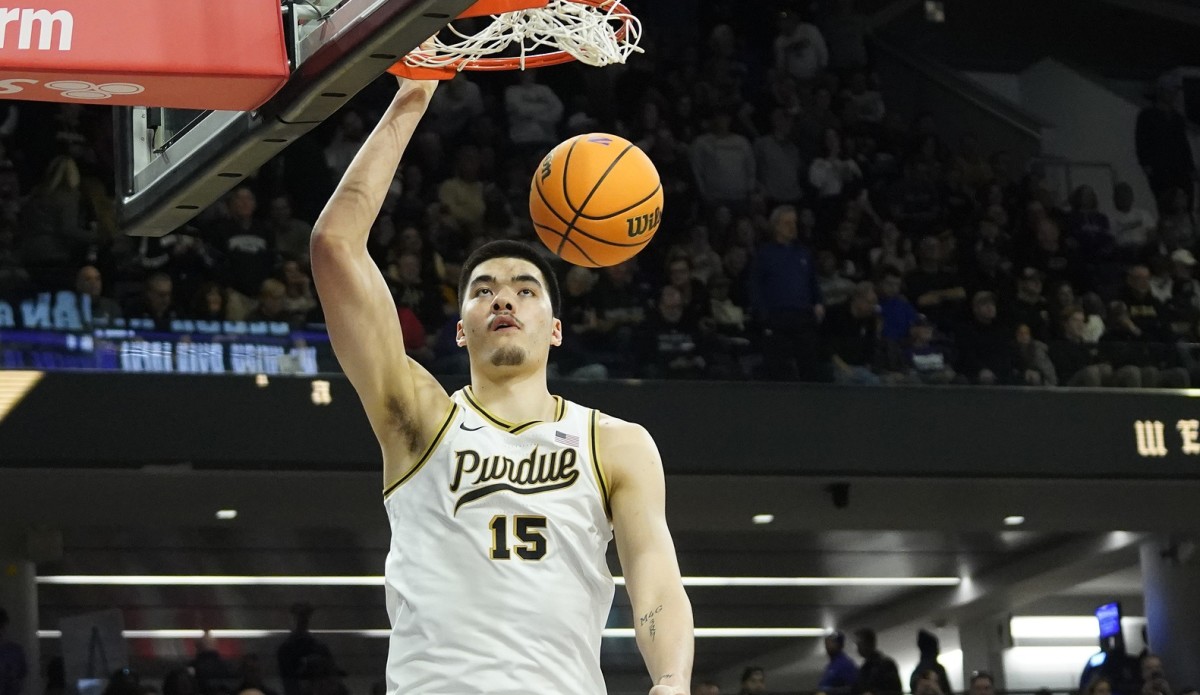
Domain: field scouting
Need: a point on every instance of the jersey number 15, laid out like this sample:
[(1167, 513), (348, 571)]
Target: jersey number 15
[(525, 528)]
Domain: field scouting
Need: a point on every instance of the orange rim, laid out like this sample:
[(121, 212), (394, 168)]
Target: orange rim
[(488, 7), (483, 8)]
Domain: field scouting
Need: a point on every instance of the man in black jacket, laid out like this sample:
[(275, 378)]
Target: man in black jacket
[(878, 674)]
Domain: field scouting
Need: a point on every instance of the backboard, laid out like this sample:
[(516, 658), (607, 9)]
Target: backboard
[(172, 163)]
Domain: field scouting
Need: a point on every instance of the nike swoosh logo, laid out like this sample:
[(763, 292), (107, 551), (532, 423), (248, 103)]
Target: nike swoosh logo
[(463, 426)]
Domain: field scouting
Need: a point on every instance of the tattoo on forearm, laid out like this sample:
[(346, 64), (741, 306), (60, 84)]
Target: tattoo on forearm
[(648, 619)]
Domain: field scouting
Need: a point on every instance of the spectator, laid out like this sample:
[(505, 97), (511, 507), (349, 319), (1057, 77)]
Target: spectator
[(878, 674), (981, 683), (786, 296), (463, 194), (1128, 346), (534, 111), (271, 304), (778, 161), (88, 283), (13, 667), (156, 305), (925, 361), (754, 681), (454, 105), (1163, 148), (897, 313), (1050, 255), (723, 165), (894, 250), (852, 338), (937, 292), (1154, 680), (299, 300), (1034, 366), (693, 292), (864, 104), (1029, 306), (706, 688), (52, 232), (800, 49), (347, 140), (835, 287), (670, 345), (1147, 314), (208, 303), (298, 648), (928, 646), (984, 344), (622, 302), (249, 255), (833, 175), (415, 291), (926, 682), (1079, 364), (1088, 228), (841, 672), (1176, 226), (1133, 227), (290, 234)]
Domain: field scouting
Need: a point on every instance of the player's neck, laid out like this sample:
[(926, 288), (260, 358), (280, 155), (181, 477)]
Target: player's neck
[(516, 398)]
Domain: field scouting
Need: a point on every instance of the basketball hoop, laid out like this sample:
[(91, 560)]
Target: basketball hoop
[(594, 32)]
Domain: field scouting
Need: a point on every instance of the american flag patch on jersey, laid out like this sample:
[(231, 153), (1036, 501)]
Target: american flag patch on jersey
[(565, 439)]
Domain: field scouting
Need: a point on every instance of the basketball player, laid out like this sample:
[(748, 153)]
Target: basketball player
[(502, 498)]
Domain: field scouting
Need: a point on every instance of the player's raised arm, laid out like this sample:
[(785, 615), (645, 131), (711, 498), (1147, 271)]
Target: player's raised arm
[(662, 614), (400, 398)]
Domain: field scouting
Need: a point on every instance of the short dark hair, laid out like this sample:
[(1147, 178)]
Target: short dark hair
[(981, 675), (749, 672), (867, 636), (505, 248)]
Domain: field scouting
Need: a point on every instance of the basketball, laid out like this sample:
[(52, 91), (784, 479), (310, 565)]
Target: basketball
[(596, 200)]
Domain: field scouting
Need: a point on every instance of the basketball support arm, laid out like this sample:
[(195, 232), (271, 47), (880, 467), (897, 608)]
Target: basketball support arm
[(161, 186)]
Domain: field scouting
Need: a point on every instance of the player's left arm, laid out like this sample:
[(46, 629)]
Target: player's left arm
[(662, 614)]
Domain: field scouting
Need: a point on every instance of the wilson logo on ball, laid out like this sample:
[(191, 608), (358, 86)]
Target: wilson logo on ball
[(546, 164), (640, 224)]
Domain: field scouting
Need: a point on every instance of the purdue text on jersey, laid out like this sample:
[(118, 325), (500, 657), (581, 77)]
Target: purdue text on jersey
[(538, 472)]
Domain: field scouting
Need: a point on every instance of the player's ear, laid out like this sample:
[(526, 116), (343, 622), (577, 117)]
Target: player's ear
[(556, 333), (460, 336)]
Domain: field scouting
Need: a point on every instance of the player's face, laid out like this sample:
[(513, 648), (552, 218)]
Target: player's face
[(507, 317)]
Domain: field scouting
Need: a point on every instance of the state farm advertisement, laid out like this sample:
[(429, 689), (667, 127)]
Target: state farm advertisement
[(193, 54)]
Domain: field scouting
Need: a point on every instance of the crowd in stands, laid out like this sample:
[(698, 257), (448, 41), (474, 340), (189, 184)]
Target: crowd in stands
[(306, 666), (810, 232)]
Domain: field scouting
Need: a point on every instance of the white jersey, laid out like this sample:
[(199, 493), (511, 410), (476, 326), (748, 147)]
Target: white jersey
[(496, 578)]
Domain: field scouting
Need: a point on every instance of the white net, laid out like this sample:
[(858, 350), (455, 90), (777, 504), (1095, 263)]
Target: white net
[(588, 34)]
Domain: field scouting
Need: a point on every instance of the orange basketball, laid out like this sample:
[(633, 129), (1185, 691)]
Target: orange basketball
[(596, 200)]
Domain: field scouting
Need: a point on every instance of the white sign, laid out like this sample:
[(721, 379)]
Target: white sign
[(73, 89), (1152, 438)]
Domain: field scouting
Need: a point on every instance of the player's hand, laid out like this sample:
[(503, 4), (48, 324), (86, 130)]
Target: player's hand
[(667, 690), (423, 88)]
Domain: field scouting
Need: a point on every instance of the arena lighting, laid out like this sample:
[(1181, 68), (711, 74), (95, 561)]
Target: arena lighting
[(237, 580), (763, 518), (226, 514), (13, 387), (612, 632), (1054, 627), (1014, 520)]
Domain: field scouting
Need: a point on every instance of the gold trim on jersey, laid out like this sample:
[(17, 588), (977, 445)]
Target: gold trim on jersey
[(560, 410), (601, 479), (437, 439)]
